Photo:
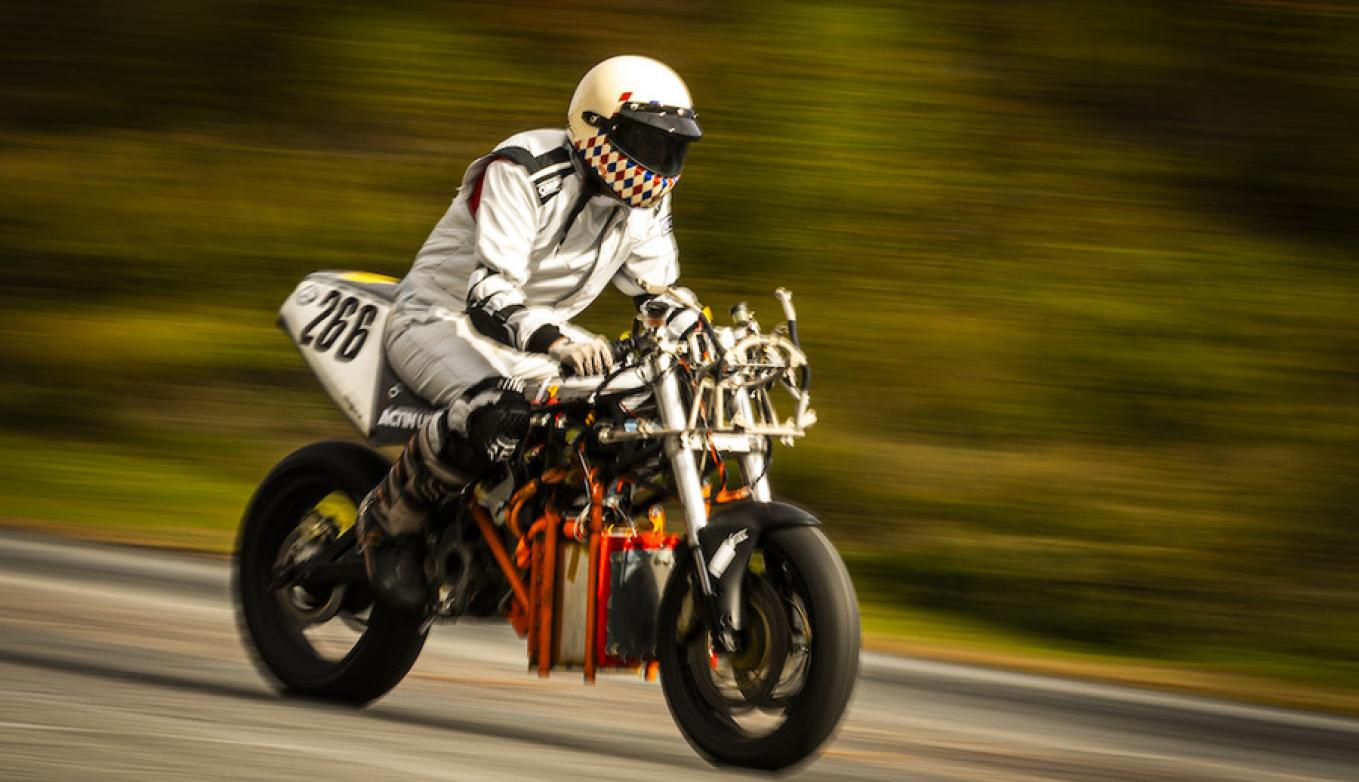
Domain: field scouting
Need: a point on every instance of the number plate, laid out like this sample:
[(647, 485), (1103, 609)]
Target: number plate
[(337, 319)]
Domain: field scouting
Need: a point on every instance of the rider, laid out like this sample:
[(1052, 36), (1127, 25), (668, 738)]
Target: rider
[(537, 229)]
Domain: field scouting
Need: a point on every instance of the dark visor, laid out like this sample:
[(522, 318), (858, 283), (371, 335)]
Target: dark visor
[(655, 136)]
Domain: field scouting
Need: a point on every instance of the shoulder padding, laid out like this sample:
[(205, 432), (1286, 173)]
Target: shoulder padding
[(531, 163)]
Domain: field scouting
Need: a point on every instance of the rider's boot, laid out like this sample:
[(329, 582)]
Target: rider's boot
[(437, 463), (392, 518)]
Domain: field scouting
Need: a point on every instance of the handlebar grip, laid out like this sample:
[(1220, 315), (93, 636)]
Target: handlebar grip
[(618, 348)]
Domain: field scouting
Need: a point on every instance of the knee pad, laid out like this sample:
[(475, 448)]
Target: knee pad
[(496, 429), (492, 416)]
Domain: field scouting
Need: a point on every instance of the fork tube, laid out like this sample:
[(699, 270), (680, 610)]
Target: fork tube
[(687, 480), (682, 464), (752, 463)]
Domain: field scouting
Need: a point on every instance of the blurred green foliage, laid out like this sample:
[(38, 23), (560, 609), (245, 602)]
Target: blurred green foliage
[(1078, 279)]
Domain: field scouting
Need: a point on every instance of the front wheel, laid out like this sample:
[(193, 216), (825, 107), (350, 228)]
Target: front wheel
[(331, 642), (775, 702)]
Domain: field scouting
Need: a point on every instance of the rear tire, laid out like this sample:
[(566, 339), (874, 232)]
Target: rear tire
[(828, 669), (389, 642)]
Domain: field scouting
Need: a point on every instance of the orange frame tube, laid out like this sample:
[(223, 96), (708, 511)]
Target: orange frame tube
[(539, 606), (488, 533), (547, 589), (592, 599)]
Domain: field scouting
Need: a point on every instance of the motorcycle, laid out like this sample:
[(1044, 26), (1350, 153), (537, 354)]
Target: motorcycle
[(747, 615)]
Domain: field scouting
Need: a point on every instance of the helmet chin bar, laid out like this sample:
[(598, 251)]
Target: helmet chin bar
[(626, 179)]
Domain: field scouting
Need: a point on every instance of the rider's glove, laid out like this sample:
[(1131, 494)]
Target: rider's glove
[(593, 357)]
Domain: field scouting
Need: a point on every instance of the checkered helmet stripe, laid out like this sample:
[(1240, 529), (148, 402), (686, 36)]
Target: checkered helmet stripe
[(635, 184)]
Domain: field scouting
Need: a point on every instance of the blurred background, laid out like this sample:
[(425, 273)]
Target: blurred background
[(1079, 280)]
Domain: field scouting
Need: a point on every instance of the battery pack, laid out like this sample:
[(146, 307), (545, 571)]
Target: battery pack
[(633, 569), (636, 569)]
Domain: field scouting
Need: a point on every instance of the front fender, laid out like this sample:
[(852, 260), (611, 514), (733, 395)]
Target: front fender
[(733, 533)]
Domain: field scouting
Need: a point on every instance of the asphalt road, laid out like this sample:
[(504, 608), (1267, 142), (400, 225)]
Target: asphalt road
[(118, 663)]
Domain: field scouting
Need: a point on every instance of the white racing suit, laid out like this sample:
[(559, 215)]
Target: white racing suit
[(524, 248), (527, 244)]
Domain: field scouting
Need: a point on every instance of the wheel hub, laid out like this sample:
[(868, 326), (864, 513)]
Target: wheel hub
[(311, 537)]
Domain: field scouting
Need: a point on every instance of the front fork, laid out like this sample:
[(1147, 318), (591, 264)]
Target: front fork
[(753, 463), (689, 486)]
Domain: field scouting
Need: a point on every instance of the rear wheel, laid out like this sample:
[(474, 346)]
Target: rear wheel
[(775, 702), (329, 642)]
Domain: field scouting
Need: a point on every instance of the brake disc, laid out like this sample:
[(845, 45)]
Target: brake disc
[(759, 665)]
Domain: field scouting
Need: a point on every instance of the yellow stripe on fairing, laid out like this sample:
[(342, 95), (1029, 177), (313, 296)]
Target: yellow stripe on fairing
[(366, 278)]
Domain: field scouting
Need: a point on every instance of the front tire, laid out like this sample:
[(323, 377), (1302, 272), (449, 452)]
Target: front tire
[(802, 627), (282, 627)]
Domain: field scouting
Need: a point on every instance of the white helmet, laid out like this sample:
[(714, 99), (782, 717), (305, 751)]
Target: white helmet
[(631, 120)]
